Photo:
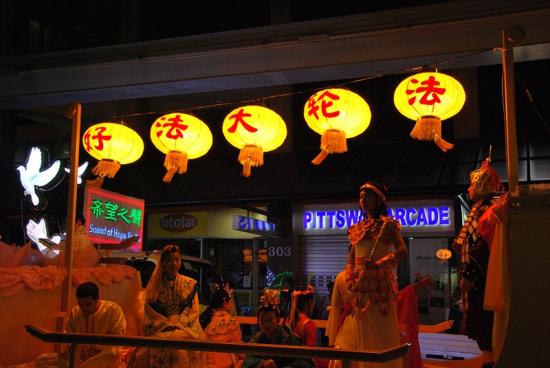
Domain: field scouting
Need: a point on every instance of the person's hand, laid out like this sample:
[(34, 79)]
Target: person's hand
[(269, 363)]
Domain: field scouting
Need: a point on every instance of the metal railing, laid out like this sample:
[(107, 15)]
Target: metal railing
[(322, 324), (291, 351)]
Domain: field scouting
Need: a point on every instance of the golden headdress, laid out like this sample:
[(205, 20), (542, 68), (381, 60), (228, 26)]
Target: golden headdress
[(485, 180), (372, 187), (270, 298)]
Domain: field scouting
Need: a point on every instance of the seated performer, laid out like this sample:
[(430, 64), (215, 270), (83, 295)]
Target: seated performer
[(301, 308), (91, 316), (220, 326), (171, 311), (301, 305), (272, 332)]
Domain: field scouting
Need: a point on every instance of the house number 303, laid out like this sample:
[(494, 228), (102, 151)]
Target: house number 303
[(280, 251)]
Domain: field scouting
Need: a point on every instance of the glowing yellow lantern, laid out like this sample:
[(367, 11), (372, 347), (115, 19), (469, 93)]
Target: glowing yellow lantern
[(429, 98), (336, 114), (254, 130), (181, 137), (113, 145)]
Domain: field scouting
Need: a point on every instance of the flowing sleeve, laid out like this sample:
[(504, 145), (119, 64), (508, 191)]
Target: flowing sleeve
[(117, 321), (311, 334), (334, 314), (487, 225), (236, 335), (71, 326), (191, 314), (115, 325), (497, 294), (154, 321)]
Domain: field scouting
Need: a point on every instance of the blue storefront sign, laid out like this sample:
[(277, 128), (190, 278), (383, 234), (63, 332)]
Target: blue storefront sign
[(254, 226), (433, 216)]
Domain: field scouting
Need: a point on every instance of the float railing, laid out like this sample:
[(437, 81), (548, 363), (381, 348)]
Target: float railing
[(77, 339)]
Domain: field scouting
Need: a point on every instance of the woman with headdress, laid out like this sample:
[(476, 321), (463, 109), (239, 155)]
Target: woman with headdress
[(171, 311), (376, 247), (301, 307), (220, 326), (273, 332)]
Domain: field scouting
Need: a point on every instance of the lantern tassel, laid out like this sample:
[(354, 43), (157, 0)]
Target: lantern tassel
[(428, 128), (97, 182), (442, 143), (332, 141), (249, 156), (174, 161), (106, 168), (319, 158)]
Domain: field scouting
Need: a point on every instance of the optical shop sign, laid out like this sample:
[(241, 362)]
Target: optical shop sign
[(427, 216), (112, 217)]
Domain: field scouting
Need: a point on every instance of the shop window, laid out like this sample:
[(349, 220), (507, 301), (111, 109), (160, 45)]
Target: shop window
[(540, 169), (433, 302)]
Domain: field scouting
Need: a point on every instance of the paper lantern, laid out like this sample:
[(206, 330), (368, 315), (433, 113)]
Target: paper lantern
[(113, 145), (181, 137), (336, 114), (429, 98), (254, 130)]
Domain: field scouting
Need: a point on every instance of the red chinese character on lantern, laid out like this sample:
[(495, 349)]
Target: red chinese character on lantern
[(239, 118), (175, 129), (326, 99), (99, 137), (430, 90)]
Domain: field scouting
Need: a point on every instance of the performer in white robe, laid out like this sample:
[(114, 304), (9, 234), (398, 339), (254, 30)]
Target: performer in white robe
[(171, 311), (91, 316)]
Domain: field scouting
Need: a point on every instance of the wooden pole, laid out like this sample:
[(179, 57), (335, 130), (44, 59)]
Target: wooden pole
[(72, 111), (511, 36)]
